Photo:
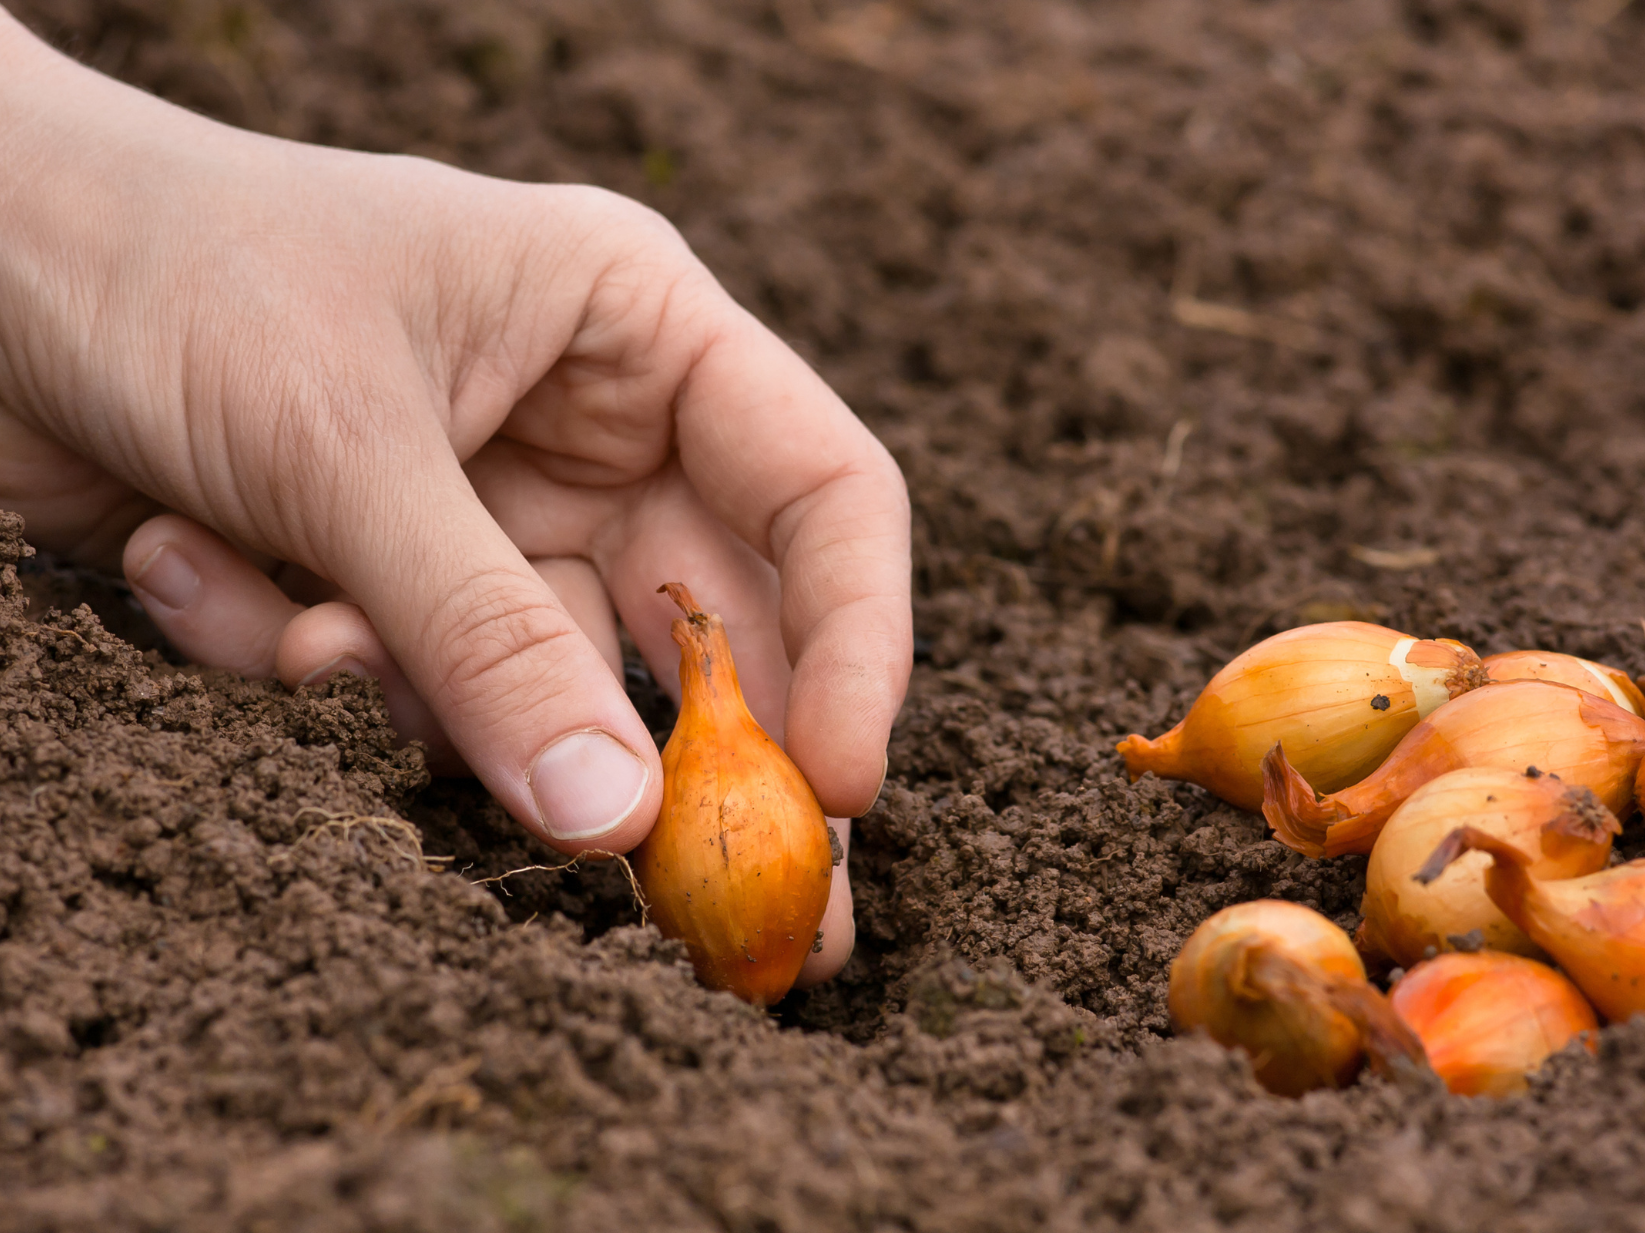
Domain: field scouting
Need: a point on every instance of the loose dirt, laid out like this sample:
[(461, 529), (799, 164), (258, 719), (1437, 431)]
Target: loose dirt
[(1188, 322)]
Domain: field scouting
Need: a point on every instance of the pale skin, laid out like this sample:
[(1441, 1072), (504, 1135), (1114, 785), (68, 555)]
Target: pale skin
[(336, 412)]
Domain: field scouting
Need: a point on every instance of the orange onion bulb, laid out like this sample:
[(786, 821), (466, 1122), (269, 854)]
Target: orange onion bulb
[(1601, 680), (1584, 739), (1593, 926), (740, 862), (1565, 825), (1487, 1020), (1339, 695), (1283, 984)]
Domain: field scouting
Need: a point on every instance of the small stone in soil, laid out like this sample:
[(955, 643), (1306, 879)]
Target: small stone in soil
[(1470, 943)]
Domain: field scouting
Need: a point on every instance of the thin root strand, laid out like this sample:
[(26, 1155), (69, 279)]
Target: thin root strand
[(628, 872)]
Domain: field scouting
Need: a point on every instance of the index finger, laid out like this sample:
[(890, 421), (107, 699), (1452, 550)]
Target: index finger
[(785, 464)]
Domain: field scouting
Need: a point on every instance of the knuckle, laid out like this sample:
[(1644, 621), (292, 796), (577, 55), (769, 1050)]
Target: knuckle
[(605, 208), (889, 477), (497, 622)]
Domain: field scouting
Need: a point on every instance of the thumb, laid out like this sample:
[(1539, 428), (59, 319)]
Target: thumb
[(526, 698)]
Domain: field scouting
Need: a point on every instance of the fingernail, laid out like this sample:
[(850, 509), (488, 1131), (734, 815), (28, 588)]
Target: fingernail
[(586, 785), (343, 663), (883, 774), (168, 578)]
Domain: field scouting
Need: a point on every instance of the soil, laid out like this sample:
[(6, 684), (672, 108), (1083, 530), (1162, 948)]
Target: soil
[(1188, 321)]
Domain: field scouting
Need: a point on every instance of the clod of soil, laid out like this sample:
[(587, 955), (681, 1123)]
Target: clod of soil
[(1188, 322)]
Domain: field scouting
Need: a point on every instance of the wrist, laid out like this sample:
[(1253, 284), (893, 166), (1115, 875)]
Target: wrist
[(16, 44), (74, 173), (26, 279), (24, 64), (27, 68)]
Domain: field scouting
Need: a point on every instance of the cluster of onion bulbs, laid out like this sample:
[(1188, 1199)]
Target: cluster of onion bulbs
[(1487, 794)]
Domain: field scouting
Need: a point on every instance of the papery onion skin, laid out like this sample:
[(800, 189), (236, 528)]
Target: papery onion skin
[(1280, 982), (1566, 826), (1601, 680), (1593, 926), (1487, 1020), (1340, 695), (739, 864), (1584, 739)]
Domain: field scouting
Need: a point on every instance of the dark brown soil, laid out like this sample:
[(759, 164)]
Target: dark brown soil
[(1189, 321)]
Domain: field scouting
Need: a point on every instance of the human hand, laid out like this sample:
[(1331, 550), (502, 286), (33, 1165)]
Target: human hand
[(440, 429)]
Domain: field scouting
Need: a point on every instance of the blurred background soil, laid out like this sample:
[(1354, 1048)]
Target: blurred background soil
[(1188, 321)]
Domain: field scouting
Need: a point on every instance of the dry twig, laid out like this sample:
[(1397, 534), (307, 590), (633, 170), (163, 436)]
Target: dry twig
[(445, 1088), (1394, 558), (1198, 314)]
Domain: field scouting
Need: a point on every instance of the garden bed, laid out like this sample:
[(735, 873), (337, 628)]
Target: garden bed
[(1188, 322)]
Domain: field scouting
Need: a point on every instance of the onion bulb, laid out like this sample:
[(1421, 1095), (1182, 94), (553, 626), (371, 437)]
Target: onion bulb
[(1487, 1020), (1565, 825), (1594, 926), (739, 864), (1601, 680), (1586, 740), (1283, 984), (1339, 695)]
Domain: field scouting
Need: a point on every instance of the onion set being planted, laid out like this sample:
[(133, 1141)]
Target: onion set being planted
[(1283, 984), (740, 862), (1339, 696)]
